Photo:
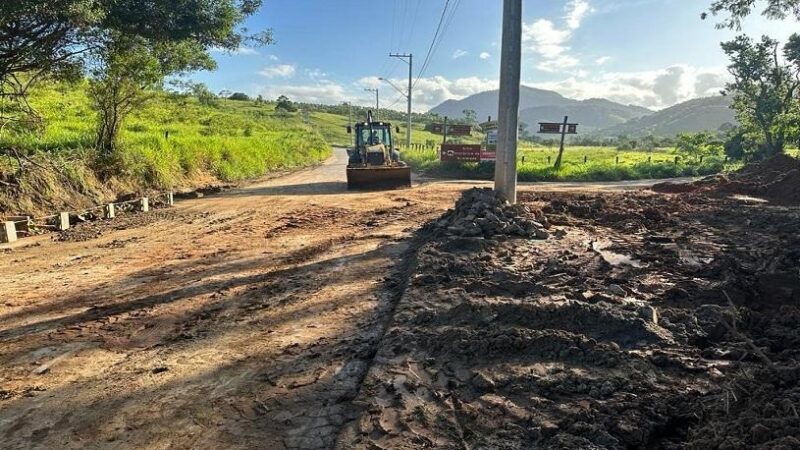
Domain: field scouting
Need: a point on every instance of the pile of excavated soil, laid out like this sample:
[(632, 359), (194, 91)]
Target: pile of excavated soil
[(528, 344), (484, 212), (776, 179)]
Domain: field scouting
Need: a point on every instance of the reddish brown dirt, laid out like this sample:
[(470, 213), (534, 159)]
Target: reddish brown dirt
[(776, 179), (292, 314), (566, 343)]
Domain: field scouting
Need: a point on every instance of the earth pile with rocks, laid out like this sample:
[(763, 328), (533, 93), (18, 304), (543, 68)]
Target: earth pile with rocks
[(486, 213), (776, 179), (677, 334)]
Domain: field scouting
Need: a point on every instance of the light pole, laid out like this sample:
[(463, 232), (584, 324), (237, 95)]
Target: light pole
[(377, 102), (408, 130), (409, 58)]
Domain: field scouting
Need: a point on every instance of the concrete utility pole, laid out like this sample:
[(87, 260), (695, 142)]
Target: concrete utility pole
[(410, 62), (561, 147), (377, 102), (505, 173)]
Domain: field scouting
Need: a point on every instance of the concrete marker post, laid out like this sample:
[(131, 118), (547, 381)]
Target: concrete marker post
[(110, 211), (8, 232), (63, 221), (144, 204), (171, 198)]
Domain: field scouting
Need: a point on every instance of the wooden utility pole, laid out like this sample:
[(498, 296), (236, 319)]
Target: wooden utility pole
[(561, 147), (505, 175)]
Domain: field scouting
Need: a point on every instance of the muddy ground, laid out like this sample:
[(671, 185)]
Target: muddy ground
[(292, 314), (645, 321)]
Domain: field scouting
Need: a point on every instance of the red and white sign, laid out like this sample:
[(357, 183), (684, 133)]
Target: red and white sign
[(460, 153), (488, 155)]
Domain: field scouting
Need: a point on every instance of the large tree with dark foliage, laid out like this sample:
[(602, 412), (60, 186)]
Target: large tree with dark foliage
[(67, 38)]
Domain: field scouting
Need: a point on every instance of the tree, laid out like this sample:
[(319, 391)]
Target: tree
[(240, 96), (470, 116), (284, 104), (124, 69), (739, 9), (60, 37), (765, 89), (698, 144)]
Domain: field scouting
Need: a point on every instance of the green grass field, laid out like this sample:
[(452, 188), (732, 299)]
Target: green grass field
[(173, 139), (578, 164)]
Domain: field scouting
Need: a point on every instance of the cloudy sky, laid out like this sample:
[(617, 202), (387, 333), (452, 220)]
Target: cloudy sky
[(653, 53)]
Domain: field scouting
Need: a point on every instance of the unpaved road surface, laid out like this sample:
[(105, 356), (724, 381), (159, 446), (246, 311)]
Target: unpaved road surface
[(242, 320), (293, 314)]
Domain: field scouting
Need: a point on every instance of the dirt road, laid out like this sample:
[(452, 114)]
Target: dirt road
[(258, 318), (242, 320)]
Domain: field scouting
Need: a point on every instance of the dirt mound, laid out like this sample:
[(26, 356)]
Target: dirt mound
[(520, 343), (776, 179), (484, 212)]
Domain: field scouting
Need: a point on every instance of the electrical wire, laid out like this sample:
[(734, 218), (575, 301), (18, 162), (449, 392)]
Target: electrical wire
[(433, 43)]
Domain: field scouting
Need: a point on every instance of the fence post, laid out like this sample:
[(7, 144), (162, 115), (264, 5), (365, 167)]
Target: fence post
[(649, 159), (8, 233), (171, 198), (585, 158), (63, 221), (110, 211), (701, 159), (144, 204), (523, 159), (548, 160), (676, 160), (617, 162)]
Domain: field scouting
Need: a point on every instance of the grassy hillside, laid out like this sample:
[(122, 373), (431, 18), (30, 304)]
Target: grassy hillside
[(171, 142)]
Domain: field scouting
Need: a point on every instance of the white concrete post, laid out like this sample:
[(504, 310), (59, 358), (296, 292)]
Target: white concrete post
[(144, 204), (110, 211), (8, 233), (63, 221)]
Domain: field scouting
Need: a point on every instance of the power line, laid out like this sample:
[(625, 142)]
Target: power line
[(433, 42)]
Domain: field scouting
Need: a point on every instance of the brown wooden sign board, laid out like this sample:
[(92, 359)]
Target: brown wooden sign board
[(460, 153), (555, 128), (452, 130)]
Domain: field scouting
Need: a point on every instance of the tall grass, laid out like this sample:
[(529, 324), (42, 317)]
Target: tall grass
[(578, 164), (173, 139)]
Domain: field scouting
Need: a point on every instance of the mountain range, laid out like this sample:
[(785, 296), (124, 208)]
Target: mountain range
[(599, 116)]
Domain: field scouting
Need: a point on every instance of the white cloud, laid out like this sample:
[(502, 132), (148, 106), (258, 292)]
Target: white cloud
[(459, 53), (485, 55), (280, 70), (315, 74), (238, 51), (653, 89), (322, 92), (550, 42), (602, 60), (576, 11), (430, 91), (273, 58)]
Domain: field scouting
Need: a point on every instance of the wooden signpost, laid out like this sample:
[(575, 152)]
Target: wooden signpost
[(563, 129)]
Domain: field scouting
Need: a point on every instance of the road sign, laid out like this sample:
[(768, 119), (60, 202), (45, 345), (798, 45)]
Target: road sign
[(460, 153), (555, 128), (452, 130), (488, 155)]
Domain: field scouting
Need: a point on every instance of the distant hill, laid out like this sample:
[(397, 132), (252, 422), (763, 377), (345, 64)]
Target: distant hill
[(539, 105), (700, 114)]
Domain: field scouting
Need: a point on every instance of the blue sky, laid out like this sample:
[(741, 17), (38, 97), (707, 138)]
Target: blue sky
[(652, 53)]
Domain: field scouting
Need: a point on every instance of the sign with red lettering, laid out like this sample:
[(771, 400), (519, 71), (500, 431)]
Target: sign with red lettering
[(460, 153), (488, 155)]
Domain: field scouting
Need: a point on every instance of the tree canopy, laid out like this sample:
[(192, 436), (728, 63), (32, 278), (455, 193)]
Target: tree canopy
[(737, 10), (766, 87)]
